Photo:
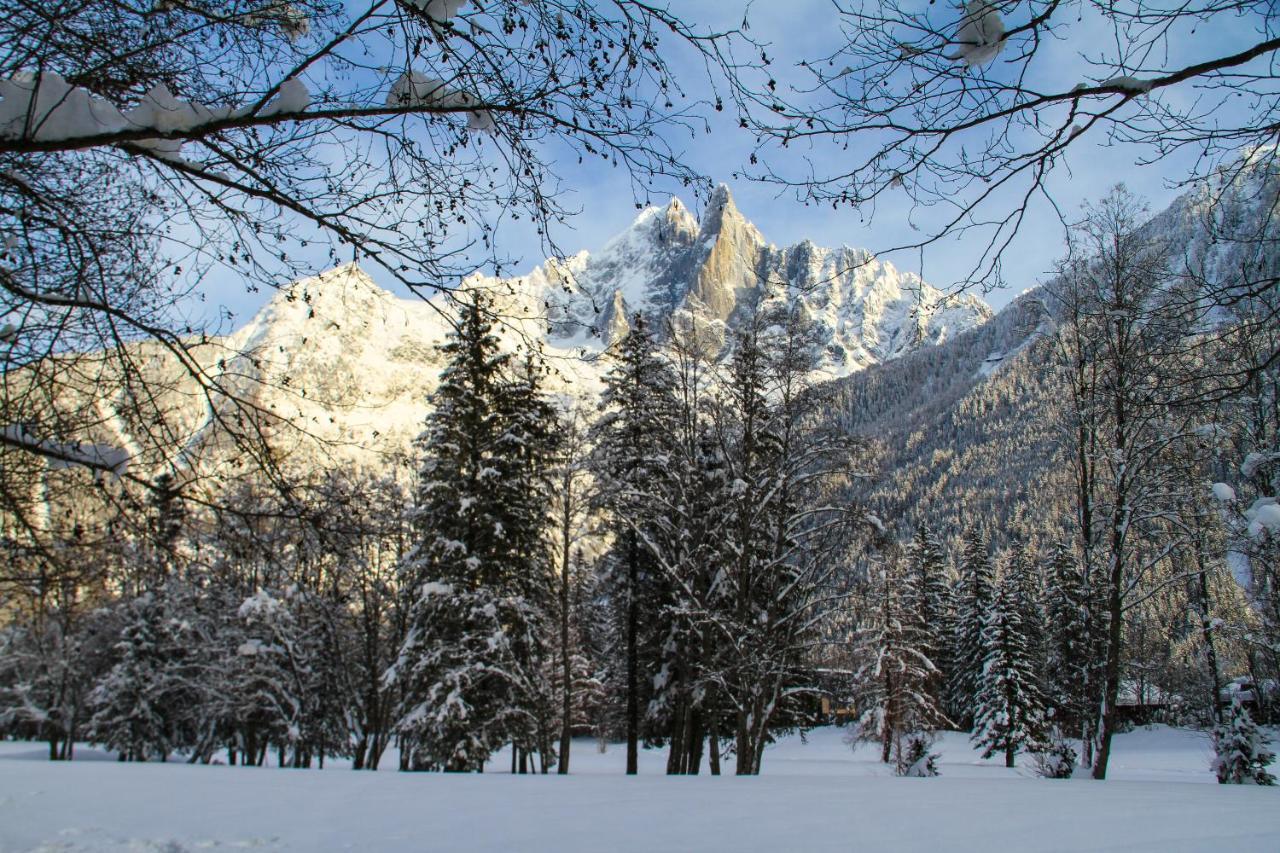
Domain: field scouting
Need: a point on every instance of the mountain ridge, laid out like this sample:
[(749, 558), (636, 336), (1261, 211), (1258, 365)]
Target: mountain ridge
[(354, 364)]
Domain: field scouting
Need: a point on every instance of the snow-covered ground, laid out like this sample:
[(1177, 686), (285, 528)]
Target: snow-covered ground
[(815, 795)]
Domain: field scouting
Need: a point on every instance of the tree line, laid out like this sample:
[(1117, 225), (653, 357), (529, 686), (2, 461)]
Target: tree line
[(689, 566), (656, 572)]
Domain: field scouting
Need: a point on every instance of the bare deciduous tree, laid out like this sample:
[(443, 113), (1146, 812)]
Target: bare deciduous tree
[(970, 110)]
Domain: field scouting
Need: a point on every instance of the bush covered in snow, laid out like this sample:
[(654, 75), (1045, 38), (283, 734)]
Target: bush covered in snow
[(1057, 760), (1242, 753), (915, 757)]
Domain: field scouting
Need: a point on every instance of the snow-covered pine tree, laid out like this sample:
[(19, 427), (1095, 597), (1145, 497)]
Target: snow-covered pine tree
[(894, 676), (478, 577), (270, 676), (1024, 573), (632, 462), (1056, 758), (1241, 749), (133, 713), (706, 553), (1069, 662), (688, 544), (915, 758), (528, 450), (929, 597), (784, 538), (973, 598), (1009, 716)]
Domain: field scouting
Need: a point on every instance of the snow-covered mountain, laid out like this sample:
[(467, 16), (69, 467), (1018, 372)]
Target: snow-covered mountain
[(968, 432), (719, 268), (352, 364)]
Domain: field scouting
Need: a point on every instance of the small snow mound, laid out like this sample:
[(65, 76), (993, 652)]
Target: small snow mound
[(980, 36), (1264, 516), (293, 97), (1130, 84)]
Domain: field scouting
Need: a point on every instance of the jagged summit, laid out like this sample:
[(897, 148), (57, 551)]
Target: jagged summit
[(715, 270), (719, 268), (354, 364)]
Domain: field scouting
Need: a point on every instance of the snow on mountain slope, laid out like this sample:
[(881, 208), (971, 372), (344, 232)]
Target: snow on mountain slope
[(719, 269), (352, 364), (968, 430)]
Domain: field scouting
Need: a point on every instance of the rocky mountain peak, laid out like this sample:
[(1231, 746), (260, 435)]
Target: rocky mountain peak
[(678, 224), (722, 220), (726, 269)]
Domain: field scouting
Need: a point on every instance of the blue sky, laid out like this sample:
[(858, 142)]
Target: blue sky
[(796, 29)]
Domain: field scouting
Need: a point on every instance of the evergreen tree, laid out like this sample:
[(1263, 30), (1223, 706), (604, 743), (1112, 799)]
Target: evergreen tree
[(632, 464), (272, 679), (1242, 753), (471, 665), (929, 597), (1068, 651), (1024, 575), (915, 758), (690, 548), (128, 706), (150, 702), (894, 674), (529, 449), (1009, 716), (973, 604)]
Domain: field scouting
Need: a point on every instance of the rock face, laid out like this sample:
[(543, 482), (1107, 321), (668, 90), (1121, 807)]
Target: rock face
[(719, 269), (352, 364)]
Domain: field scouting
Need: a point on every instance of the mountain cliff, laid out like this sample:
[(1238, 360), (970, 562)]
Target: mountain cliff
[(719, 268), (353, 365)]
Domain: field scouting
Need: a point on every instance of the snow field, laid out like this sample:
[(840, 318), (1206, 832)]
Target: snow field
[(814, 796)]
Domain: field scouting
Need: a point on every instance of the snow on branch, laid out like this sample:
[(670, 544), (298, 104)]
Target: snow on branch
[(99, 457), (45, 107), (436, 10), (1130, 84), (412, 89), (980, 36)]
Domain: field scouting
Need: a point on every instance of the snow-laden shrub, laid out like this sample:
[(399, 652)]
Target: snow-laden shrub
[(1057, 760), (1241, 748), (914, 757)]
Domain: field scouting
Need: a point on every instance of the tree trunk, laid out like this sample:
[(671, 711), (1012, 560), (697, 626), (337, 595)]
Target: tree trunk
[(693, 744), (714, 736), (358, 759), (1115, 634), (676, 751), (889, 723), (566, 701), (1210, 647), (633, 658)]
